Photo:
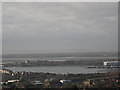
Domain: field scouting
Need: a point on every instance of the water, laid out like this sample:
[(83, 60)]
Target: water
[(58, 69)]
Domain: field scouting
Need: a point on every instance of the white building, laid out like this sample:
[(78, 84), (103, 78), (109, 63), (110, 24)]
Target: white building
[(112, 63), (65, 81), (105, 63)]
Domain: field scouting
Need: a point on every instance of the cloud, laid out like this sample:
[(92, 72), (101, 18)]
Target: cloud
[(60, 26)]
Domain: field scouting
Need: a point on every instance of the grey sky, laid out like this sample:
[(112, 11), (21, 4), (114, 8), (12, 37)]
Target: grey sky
[(60, 27)]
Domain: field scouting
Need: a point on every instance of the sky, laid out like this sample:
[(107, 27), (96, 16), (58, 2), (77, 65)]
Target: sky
[(60, 0), (0, 24), (59, 27)]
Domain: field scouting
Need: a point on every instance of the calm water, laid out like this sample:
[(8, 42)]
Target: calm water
[(58, 69)]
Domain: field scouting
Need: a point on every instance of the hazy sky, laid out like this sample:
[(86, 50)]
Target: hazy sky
[(60, 27)]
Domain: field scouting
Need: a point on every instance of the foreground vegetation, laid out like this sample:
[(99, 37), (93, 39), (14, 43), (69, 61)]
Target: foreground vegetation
[(52, 80)]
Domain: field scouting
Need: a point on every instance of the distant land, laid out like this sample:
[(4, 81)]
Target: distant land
[(69, 54)]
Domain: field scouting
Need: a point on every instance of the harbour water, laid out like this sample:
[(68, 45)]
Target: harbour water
[(59, 69)]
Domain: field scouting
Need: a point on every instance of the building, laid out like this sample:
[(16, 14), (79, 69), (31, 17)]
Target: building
[(65, 81), (5, 71), (111, 63)]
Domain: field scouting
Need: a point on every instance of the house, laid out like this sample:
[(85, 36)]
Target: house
[(12, 81), (65, 81)]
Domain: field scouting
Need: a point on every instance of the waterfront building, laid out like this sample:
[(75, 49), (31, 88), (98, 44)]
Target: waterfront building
[(111, 63)]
